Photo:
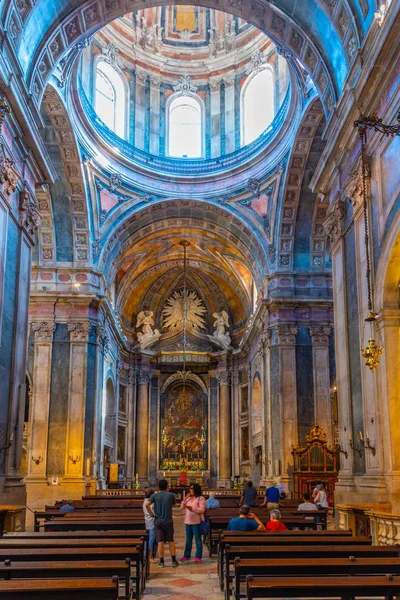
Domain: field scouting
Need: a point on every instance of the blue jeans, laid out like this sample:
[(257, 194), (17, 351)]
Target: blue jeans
[(152, 541), (193, 530)]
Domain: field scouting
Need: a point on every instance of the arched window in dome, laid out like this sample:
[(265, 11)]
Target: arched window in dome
[(185, 127), (110, 98), (258, 107)]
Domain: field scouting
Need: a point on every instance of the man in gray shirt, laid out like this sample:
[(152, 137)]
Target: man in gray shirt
[(163, 502)]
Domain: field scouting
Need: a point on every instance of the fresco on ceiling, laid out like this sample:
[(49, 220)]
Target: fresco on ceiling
[(183, 423)]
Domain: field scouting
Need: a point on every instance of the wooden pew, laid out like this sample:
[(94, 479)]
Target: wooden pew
[(136, 533), (317, 587), (310, 567), (96, 525), (59, 589), (268, 543), (279, 538), (80, 554), (68, 569), (305, 552)]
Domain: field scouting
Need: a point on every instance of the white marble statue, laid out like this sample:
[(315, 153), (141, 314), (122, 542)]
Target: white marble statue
[(221, 326), (147, 336)]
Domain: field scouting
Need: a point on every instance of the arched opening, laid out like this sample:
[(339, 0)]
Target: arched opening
[(185, 128), (110, 98), (258, 108)]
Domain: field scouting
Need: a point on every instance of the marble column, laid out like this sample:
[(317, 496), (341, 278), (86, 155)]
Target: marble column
[(322, 397), (215, 116), (140, 109), (37, 454), (130, 453), (74, 452), (334, 226), (142, 427), (286, 342), (267, 449), (225, 440), (102, 342), (155, 84)]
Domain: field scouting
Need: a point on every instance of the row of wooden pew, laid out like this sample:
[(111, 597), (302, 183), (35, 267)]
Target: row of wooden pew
[(98, 551), (295, 564)]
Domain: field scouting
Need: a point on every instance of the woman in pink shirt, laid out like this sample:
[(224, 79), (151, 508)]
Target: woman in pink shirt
[(194, 506)]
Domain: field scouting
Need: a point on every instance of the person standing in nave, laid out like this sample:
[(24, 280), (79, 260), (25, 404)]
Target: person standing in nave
[(164, 525), (194, 506), (271, 497), (249, 495)]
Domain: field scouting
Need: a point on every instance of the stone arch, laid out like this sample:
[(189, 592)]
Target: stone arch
[(189, 376), (325, 53), (294, 179), (73, 174)]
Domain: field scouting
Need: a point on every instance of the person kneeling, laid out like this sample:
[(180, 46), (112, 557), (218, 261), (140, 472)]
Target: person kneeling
[(275, 524), (246, 521)]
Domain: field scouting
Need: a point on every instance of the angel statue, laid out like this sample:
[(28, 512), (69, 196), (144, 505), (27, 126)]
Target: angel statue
[(221, 325), (147, 336)]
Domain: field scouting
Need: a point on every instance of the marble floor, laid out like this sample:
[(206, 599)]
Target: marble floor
[(190, 581)]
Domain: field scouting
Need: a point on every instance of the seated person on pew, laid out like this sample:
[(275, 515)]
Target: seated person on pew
[(307, 505), (275, 524), (212, 502), (67, 507), (246, 521)]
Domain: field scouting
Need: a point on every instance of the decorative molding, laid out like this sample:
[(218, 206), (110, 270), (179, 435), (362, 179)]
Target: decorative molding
[(29, 214), (79, 332), (353, 188), (334, 222), (43, 331), (258, 63), (184, 87), (111, 55), (9, 176)]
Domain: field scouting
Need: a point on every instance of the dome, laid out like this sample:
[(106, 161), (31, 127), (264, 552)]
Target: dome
[(182, 87)]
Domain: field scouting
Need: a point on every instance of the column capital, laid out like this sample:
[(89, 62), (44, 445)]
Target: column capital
[(43, 331), (334, 222), (143, 377), (214, 83), (224, 378), (79, 332), (320, 335), (286, 335), (353, 189)]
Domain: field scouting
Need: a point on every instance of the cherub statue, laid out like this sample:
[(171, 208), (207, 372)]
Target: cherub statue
[(221, 325), (147, 336)]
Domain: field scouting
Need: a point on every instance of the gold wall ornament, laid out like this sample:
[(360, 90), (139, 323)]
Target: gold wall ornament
[(371, 353), (365, 122)]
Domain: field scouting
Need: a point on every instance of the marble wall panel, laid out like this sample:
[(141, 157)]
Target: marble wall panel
[(58, 414), (304, 383), (354, 346), (7, 332)]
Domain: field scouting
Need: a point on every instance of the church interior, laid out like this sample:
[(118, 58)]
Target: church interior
[(200, 253)]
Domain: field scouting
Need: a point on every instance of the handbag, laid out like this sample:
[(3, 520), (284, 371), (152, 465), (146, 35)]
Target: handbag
[(204, 523)]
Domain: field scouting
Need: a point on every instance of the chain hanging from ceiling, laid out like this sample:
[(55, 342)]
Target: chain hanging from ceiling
[(372, 351)]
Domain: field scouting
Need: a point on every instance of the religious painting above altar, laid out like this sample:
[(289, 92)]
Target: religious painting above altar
[(184, 427)]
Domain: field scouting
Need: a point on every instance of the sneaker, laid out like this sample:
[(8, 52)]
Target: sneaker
[(183, 559), (175, 563), (197, 560), (161, 563)]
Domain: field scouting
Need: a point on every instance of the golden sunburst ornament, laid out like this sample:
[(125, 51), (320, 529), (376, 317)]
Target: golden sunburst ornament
[(173, 311)]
